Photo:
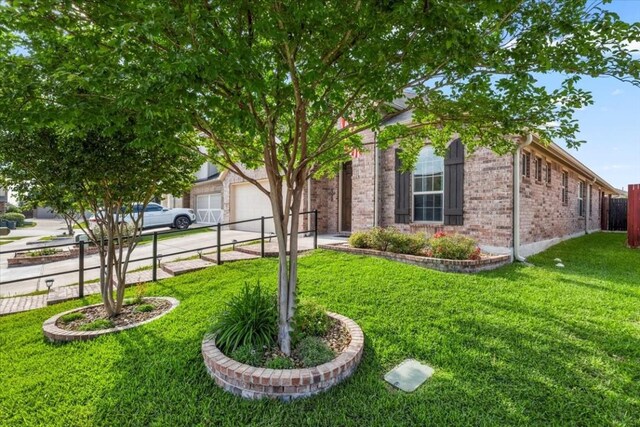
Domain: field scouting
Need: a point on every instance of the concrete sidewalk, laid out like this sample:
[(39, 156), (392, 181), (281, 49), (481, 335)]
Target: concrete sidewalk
[(63, 292), (168, 248)]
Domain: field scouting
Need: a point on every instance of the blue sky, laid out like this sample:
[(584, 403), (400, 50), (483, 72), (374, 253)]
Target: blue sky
[(611, 125)]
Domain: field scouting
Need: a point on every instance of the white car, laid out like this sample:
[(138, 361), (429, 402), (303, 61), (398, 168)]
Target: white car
[(156, 215)]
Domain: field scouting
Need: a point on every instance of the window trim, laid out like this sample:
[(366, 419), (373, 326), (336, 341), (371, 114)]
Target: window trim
[(548, 173), (538, 169), (581, 195), (526, 164), (414, 193)]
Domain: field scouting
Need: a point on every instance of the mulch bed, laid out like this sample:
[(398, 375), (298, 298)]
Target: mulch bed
[(127, 317), (338, 338)]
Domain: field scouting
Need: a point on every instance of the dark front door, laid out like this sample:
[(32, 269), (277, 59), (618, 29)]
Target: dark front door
[(346, 196)]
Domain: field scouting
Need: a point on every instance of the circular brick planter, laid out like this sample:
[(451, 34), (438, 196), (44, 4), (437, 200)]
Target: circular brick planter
[(55, 334), (284, 384)]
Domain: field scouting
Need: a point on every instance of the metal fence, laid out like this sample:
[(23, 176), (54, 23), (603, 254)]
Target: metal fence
[(155, 257)]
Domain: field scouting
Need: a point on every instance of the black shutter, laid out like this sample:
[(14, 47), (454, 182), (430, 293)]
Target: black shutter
[(454, 184), (402, 193)]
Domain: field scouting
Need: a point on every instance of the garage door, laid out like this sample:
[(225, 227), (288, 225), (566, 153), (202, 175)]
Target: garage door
[(247, 202), (209, 208)]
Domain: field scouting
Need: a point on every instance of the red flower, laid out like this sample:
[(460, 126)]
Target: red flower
[(439, 234), (475, 255)]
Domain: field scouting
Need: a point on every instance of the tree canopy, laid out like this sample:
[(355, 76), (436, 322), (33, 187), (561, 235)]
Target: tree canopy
[(265, 82)]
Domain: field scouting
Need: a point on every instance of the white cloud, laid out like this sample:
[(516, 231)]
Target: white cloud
[(632, 47), (617, 92)]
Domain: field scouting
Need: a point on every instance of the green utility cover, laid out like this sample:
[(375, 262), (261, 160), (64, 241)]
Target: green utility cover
[(409, 375)]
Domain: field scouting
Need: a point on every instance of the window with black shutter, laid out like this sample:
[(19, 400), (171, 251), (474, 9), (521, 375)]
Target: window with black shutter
[(454, 184)]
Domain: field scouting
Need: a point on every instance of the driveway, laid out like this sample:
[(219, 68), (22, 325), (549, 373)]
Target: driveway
[(168, 248)]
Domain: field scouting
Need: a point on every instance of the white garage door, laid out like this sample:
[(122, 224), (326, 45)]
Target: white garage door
[(209, 208), (247, 202)]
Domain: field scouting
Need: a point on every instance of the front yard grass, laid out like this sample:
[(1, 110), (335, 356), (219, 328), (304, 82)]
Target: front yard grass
[(517, 346)]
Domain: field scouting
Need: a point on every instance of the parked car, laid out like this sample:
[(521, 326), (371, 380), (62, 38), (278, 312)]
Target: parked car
[(156, 215)]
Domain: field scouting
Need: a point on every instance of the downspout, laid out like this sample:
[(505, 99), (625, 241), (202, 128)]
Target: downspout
[(376, 167), (517, 177)]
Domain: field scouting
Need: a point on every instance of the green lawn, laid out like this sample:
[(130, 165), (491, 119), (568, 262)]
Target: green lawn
[(518, 346)]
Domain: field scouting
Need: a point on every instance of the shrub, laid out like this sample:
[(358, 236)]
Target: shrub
[(43, 252), (97, 325), (452, 246), (68, 318), (389, 239), (128, 230), (313, 351), (14, 216), (247, 354), (144, 308), (412, 244), (310, 320), (13, 209), (360, 239), (251, 318), (380, 238), (279, 362)]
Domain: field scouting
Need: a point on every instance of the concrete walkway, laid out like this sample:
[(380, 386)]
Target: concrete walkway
[(64, 292)]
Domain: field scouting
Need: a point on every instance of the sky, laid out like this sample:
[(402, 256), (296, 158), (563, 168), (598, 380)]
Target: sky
[(611, 125)]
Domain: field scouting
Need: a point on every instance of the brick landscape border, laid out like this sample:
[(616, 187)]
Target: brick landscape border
[(489, 262), (285, 384), (21, 258), (55, 334)]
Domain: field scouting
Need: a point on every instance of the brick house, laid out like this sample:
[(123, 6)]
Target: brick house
[(557, 197), (3, 199)]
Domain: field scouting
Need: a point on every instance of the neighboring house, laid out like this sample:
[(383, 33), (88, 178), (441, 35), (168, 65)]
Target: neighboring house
[(556, 197), (4, 194)]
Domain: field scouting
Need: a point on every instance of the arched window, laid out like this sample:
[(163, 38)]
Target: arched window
[(428, 186)]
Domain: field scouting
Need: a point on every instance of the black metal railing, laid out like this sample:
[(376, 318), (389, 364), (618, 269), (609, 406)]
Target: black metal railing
[(156, 257)]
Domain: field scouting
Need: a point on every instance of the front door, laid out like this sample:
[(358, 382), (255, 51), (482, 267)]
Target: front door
[(346, 196)]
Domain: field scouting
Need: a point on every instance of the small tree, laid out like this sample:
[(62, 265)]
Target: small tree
[(266, 82), (106, 174)]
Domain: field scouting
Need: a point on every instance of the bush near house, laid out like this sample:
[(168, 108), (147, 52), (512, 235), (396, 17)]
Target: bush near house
[(14, 216), (453, 246), (389, 239)]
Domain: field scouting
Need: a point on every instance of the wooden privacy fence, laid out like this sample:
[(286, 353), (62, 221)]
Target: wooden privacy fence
[(633, 216), (617, 215)]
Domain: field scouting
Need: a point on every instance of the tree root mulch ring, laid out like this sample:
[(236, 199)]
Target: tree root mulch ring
[(127, 316), (338, 338)]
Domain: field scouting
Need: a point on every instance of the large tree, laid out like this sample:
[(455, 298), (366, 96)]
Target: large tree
[(265, 82), (102, 172)]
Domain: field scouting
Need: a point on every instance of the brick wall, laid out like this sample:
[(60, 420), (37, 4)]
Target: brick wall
[(324, 197), (487, 199), (544, 216)]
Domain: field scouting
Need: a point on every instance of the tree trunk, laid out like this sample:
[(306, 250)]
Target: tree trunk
[(287, 265)]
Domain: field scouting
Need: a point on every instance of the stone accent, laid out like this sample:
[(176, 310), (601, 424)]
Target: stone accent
[(55, 334), (490, 262), (285, 384), (229, 256), (183, 267)]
